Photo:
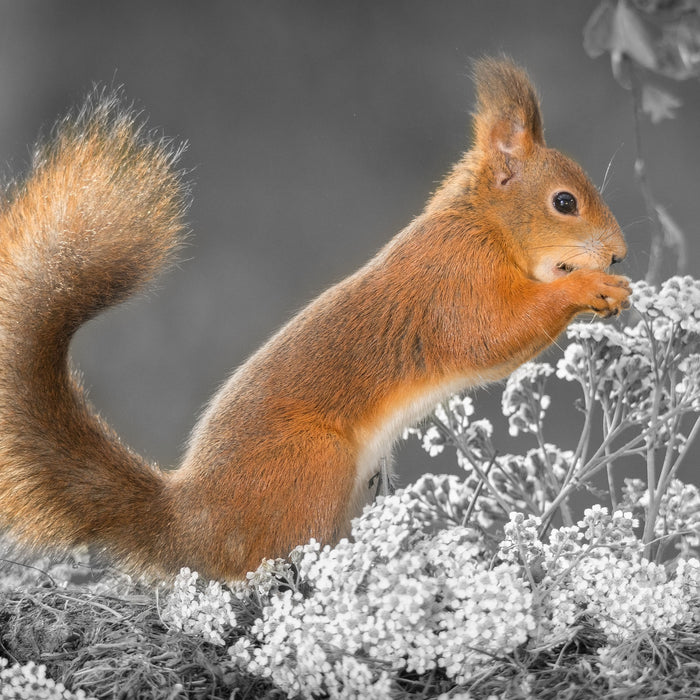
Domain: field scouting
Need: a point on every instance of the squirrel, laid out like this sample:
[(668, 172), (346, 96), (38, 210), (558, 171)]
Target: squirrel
[(513, 244)]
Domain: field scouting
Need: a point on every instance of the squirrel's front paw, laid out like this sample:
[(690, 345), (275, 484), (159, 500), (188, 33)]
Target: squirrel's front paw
[(604, 294)]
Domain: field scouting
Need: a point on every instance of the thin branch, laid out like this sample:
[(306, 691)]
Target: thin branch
[(656, 247)]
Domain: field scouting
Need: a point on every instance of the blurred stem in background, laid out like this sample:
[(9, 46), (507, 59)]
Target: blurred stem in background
[(644, 38)]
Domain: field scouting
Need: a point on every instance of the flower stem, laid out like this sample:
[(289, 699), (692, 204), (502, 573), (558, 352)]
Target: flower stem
[(656, 248)]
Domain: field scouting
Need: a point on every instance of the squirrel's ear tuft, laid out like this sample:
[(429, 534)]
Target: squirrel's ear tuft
[(507, 118)]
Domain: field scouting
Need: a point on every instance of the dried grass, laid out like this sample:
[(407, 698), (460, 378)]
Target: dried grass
[(108, 639), (111, 642)]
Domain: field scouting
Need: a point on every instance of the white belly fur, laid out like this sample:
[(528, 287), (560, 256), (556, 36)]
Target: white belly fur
[(379, 443)]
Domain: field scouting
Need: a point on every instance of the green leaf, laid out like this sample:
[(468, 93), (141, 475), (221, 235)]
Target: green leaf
[(667, 44), (597, 34), (619, 29), (679, 48), (658, 103)]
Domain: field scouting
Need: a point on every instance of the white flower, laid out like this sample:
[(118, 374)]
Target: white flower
[(433, 441), (524, 401), (198, 609), (29, 682)]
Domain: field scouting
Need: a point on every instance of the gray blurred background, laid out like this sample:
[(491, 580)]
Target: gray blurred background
[(316, 131)]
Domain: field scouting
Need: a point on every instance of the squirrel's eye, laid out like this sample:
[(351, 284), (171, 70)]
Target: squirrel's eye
[(564, 202)]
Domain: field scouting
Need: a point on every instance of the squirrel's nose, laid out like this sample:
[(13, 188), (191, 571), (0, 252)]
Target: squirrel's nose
[(617, 259)]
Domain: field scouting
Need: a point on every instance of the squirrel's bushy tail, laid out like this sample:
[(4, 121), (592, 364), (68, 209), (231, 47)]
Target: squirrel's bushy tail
[(98, 215)]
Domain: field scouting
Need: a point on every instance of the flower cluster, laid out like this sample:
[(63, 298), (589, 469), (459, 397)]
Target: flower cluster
[(529, 482), (29, 682), (198, 609), (397, 598), (524, 401), (452, 424), (652, 358), (612, 366), (500, 483), (678, 519), (677, 302), (596, 571), (416, 591)]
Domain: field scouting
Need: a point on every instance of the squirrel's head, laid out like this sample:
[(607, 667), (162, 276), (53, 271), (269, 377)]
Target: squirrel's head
[(538, 197)]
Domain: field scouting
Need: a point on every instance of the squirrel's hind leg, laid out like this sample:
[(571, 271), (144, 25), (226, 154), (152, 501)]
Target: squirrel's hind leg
[(266, 506)]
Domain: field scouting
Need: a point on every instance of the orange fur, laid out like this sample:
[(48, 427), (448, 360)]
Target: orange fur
[(484, 279)]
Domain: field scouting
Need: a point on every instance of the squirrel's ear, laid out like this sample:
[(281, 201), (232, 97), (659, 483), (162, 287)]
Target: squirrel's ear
[(508, 122)]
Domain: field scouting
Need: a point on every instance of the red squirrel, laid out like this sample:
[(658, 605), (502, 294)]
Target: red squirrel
[(513, 244)]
